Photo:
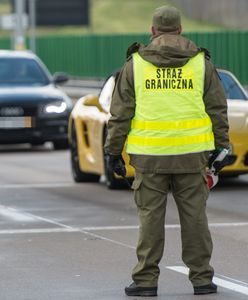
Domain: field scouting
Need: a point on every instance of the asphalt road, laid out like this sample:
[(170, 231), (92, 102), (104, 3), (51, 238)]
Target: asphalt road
[(67, 241)]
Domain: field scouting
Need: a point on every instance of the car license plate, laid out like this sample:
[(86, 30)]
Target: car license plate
[(15, 122)]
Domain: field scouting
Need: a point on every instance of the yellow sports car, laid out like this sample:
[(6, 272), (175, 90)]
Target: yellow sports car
[(87, 132)]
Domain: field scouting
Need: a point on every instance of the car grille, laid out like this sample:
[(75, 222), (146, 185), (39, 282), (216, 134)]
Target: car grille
[(18, 111), (17, 117)]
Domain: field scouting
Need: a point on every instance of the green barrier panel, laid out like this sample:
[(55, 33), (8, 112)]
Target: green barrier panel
[(89, 56), (5, 44), (100, 55), (228, 50)]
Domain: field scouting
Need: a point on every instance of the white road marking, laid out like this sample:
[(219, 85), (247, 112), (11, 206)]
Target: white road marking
[(107, 239), (65, 228), (229, 284), (233, 280), (15, 214), (37, 185), (49, 221), (231, 224), (109, 228), (167, 226), (38, 230), (19, 215)]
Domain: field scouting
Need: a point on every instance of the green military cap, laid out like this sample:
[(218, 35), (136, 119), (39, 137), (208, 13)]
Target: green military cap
[(166, 19)]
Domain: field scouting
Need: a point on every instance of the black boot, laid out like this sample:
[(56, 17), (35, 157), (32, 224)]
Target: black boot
[(134, 290), (205, 289)]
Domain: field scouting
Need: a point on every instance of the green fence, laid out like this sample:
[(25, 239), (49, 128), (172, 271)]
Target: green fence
[(99, 55), (5, 43), (96, 55), (228, 50)]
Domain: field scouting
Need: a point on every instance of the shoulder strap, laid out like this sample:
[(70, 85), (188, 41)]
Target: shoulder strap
[(206, 52), (132, 49)]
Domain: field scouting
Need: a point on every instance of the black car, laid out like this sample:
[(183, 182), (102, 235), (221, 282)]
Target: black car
[(32, 109)]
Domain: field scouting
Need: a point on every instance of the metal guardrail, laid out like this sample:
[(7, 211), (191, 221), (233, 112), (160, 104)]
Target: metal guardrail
[(76, 88), (79, 82)]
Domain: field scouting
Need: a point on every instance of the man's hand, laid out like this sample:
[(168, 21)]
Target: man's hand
[(116, 164)]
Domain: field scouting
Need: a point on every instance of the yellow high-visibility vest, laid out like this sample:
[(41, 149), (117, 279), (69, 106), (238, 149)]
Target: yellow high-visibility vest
[(170, 116)]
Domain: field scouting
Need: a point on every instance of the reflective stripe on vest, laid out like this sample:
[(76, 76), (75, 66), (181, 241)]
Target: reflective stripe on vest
[(170, 117)]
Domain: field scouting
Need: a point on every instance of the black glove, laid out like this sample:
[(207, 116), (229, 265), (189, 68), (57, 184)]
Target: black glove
[(116, 164)]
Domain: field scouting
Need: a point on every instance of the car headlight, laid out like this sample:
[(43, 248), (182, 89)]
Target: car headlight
[(55, 107)]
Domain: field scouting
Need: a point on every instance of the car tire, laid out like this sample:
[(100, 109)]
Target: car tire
[(60, 145), (77, 174)]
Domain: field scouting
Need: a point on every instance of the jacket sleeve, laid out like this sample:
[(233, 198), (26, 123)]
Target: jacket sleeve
[(122, 110), (216, 106)]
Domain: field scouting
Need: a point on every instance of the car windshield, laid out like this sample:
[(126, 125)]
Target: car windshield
[(231, 87), (21, 72)]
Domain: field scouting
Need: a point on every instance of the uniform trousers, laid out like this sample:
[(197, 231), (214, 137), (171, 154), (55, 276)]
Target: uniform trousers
[(190, 192)]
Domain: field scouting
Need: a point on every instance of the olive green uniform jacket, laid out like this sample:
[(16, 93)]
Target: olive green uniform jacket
[(166, 50)]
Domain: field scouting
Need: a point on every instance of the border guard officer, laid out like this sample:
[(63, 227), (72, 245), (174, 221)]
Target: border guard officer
[(169, 108)]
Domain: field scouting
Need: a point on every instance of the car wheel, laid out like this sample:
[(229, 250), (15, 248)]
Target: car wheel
[(77, 174), (60, 145)]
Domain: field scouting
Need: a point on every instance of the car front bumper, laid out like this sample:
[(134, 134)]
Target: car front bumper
[(40, 131)]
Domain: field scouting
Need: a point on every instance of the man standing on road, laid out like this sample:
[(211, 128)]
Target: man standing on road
[(170, 108)]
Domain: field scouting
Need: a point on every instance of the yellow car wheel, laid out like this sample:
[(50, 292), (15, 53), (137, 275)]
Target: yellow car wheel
[(77, 173)]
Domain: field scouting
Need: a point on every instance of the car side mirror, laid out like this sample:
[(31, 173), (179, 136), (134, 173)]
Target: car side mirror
[(60, 78), (92, 100)]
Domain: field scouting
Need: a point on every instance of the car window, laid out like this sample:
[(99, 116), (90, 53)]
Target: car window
[(106, 93), (231, 87), (21, 72)]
